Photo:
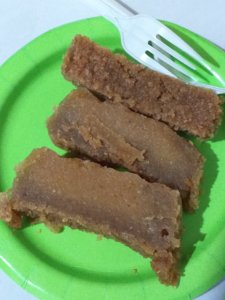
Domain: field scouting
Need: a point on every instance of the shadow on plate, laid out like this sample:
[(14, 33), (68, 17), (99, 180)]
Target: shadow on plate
[(192, 223), (220, 133), (82, 273), (186, 37)]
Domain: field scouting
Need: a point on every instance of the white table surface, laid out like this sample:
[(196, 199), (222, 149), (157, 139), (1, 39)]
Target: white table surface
[(23, 20)]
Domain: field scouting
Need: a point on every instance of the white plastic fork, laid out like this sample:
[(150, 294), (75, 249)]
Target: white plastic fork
[(143, 38)]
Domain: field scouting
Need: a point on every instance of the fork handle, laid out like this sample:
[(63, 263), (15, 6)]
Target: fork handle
[(111, 9)]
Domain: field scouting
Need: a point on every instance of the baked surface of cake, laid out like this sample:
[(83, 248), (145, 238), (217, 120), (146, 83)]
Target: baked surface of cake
[(111, 133), (82, 194), (181, 106)]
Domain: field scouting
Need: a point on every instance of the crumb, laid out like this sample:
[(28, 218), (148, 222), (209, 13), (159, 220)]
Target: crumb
[(54, 107), (99, 237)]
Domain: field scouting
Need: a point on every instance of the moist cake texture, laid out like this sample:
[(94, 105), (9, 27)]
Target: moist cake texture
[(82, 194), (111, 133), (181, 106)]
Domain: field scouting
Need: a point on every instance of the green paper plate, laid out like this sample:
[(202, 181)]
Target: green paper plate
[(78, 265)]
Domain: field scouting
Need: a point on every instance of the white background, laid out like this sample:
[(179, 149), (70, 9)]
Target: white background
[(23, 20)]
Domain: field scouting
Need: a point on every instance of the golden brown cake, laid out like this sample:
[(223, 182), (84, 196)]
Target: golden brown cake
[(181, 106), (82, 194), (110, 133)]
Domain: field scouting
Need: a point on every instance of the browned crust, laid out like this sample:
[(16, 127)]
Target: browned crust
[(34, 202), (193, 202), (7, 214), (183, 107), (150, 148)]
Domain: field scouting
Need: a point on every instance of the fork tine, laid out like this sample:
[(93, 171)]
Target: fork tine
[(159, 66), (154, 65), (163, 67), (152, 62), (173, 38), (158, 43), (144, 36), (139, 43), (158, 56), (177, 50), (217, 89), (177, 73)]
